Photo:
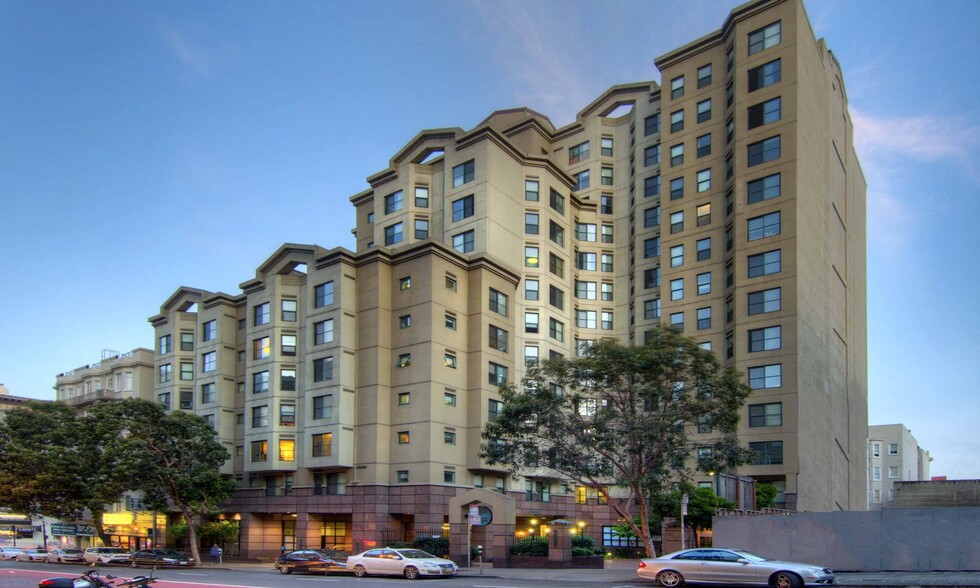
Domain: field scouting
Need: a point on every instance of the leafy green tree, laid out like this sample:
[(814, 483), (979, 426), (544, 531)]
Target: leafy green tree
[(621, 418), (702, 503), (765, 496), (220, 532)]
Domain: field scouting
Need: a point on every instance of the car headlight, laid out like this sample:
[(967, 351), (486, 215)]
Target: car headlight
[(431, 566)]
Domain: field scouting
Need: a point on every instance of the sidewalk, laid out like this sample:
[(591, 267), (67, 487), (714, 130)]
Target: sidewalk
[(623, 571)]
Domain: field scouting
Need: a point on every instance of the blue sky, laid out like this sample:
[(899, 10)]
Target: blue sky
[(144, 146)]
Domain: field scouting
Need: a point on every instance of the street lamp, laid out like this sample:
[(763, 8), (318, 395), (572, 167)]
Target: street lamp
[(684, 502)]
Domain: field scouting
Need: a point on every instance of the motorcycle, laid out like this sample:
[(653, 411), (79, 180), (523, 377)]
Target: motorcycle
[(92, 579)]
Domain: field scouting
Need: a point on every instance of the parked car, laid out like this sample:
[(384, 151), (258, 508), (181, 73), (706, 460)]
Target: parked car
[(66, 555), (37, 554), (161, 557), (731, 566), (312, 561), (106, 555), (410, 563), (10, 552)]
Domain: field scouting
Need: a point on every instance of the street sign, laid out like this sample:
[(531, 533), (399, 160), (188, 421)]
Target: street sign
[(475, 516), (85, 530), (63, 529), (480, 516)]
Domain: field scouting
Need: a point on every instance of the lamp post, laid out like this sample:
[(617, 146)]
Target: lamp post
[(684, 502)]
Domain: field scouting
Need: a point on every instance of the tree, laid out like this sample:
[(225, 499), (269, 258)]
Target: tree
[(702, 503), (174, 459), (765, 496), (220, 532), (621, 417)]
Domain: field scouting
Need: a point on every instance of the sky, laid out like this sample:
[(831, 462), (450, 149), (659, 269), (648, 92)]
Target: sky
[(145, 146)]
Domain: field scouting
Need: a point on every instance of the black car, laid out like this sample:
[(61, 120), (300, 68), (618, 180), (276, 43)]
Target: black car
[(161, 558), (312, 561)]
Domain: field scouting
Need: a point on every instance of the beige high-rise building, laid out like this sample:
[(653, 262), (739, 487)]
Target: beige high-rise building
[(893, 456), (352, 387)]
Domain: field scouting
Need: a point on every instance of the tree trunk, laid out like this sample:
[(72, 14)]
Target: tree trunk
[(192, 535), (99, 527)]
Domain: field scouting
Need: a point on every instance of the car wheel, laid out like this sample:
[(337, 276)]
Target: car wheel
[(670, 578), (786, 580), (359, 571), (411, 572), (284, 570)]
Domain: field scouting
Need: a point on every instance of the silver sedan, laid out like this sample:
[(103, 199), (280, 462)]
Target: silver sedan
[(731, 566)]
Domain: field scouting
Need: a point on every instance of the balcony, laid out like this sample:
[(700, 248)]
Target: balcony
[(90, 397)]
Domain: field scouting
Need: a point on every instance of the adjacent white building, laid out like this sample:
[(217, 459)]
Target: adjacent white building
[(893, 456)]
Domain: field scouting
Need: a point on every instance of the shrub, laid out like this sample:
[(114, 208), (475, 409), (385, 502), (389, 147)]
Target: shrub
[(586, 544), (530, 546), (581, 551), (434, 545)]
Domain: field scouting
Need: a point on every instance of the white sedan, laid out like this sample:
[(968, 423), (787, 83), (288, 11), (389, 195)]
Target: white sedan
[(411, 563), (33, 555)]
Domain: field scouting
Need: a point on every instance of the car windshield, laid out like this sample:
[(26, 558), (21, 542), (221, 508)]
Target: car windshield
[(71, 551), (170, 553), (749, 555), (416, 554), (331, 553)]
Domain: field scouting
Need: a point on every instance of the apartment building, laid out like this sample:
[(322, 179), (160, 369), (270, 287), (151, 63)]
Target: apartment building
[(351, 388), (893, 456), (116, 376)]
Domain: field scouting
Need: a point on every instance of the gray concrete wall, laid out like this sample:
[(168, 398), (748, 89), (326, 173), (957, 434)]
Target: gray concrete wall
[(896, 539)]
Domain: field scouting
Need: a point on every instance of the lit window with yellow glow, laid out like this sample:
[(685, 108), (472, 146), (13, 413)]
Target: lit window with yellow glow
[(287, 450)]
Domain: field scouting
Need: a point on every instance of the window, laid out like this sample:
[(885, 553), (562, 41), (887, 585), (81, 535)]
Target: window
[(449, 438), (209, 330), (651, 278), (677, 121), (451, 283), (322, 407), (421, 228), (287, 415), (497, 374), (186, 370), (764, 113), (404, 360), (764, 264), (606, 292), (463, 173), (557, 202), (404, 398), (606, 145), (651, 217), (578, 153), (393, 202), (606, 320), (323, 295), (651, 186), (530, 322), (893, 449), (651, 309), (164, 400), (260, 382), (260, 451), (393, 234), (449, 360), (764, 226), (532, 190), (767, 452), (405, 283), (209, 361), (586, 261), (498, 302), (449, 398), (765, 75), (585, 319), (531, 290), (606, 176), (462, 208), (763, 151), (677, 155), (677, 87), (651, 124), (606, 204), (260, 416), (677, 321), (556, 330), (260, 314), (585, 290), (323, 332), (765, 301), (402, 476), (404, 438), (606, 262), (585, 232), (704, 283), (704, 215), (531, 258), (729, 130), (323, 369), (764, 38), (677, 221), (556, 233), (262, 348), (704, 249), (677, 188), (288, 309), (677, 256), (766, 376), (651, 155), (556, 297), (556, 265), (531, 354), (322, 444), (704, 76), (370, 218), (677, 289), (582, 180), (876, 449), (207, 393), (766, 415), (892, 473), (704, 145), (531, 223), (704, 110), (422, 196), (498, 339), (651, 247), (766, 339), (405, 321), (464, 242), (764, 188), (287, 379)]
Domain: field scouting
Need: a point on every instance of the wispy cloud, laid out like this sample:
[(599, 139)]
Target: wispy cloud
[(191, 54), (923, 137)]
